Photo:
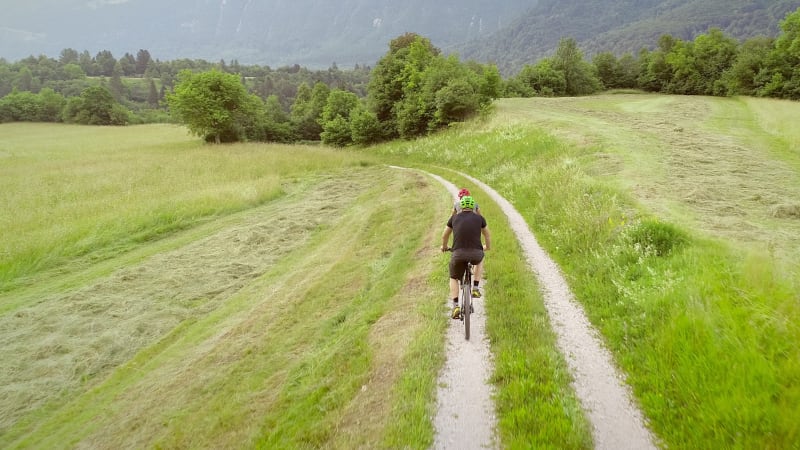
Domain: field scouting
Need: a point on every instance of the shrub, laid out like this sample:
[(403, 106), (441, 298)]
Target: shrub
[(656, 237)]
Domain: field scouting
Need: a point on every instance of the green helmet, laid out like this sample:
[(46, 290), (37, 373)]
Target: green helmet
[(467, 202)]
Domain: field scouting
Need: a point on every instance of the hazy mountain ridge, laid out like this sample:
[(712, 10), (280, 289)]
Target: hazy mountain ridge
[(622, 26), (273, 32), (317, 33)]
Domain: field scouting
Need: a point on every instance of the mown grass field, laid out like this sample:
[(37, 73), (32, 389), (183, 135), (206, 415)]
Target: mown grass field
[(158, 292)]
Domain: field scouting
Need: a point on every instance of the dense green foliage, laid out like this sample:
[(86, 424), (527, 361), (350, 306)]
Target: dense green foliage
[(25, 106), (414, 89), (713, 64)]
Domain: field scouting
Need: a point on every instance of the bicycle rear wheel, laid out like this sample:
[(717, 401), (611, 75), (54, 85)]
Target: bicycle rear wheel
[(466, 307)]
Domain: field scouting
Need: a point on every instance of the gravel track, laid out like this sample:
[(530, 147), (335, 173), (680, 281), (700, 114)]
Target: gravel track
[(465, 418)]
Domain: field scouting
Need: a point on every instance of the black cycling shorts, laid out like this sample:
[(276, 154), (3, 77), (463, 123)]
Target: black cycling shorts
[(460, 258)]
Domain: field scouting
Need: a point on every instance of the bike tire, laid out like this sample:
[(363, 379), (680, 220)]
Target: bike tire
[(466, 309)]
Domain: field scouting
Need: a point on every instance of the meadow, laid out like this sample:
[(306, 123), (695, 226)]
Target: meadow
[(159, 292)]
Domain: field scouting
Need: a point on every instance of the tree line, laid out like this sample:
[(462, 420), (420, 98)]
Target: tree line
[(712, 64), (414, 89), (32, 88)]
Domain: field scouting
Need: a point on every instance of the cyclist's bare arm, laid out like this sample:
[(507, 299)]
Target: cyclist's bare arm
[(446, 237), (487, 238)]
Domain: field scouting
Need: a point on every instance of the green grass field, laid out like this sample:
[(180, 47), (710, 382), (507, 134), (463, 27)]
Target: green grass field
[(159, 292)]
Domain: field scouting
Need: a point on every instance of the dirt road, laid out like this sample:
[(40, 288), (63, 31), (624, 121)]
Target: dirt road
[(465, 414), (465, 417)]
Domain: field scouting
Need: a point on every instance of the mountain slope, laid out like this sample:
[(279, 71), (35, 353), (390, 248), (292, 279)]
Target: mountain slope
[(622, 26), (317, 33), (272, 32)]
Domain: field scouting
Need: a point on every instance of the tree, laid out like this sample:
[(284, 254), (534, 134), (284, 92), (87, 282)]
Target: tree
[(742, 77), (128, 64), (628, 71), (394, 79), (68, 56), (451, 92), (20, 106), (25, 80), (336, 118), (213, 105), (276, 125), (152, 93), (685, 79), (514, 87), (115, 83), (51, 105), (365, 128), (72, 71), (105, 63), (784, 60), (607, 68), (455, 102), (491, 81), (87, 63), (306, 111), (305, 125), (6, 79), (714, 53), (543, 79), (301, 100), (655, 73), (578, 76), (142, 61)]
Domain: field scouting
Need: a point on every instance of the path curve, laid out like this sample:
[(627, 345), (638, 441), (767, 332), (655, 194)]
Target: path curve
[(616, 421)]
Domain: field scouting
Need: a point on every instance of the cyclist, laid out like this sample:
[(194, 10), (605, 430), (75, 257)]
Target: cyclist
[(476, 292), (466, 228)]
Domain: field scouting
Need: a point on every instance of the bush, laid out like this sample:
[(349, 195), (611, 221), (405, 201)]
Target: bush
[(95, 106), (337, 132), (655, 237), (365, 128)]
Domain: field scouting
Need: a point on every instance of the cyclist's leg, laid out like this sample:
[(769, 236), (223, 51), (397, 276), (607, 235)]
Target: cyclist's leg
[(476, 278), (457, 267), (477, 260)]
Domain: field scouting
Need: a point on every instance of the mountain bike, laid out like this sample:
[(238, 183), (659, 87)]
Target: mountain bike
[(465, 296)]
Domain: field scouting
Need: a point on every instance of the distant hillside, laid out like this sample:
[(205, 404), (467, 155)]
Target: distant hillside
[(317, 33), (622, 26), (312, 33)]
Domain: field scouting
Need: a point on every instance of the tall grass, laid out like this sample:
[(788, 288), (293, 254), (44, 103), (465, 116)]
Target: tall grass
[(707, 329), (66, 194)]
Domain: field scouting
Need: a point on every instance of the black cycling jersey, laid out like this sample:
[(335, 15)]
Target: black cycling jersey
[(467, 226)]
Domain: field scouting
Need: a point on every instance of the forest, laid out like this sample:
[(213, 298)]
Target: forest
[(413, 89)]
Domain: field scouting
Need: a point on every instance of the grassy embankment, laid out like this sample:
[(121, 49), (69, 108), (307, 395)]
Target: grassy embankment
[(159, 292), (676, 222)]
